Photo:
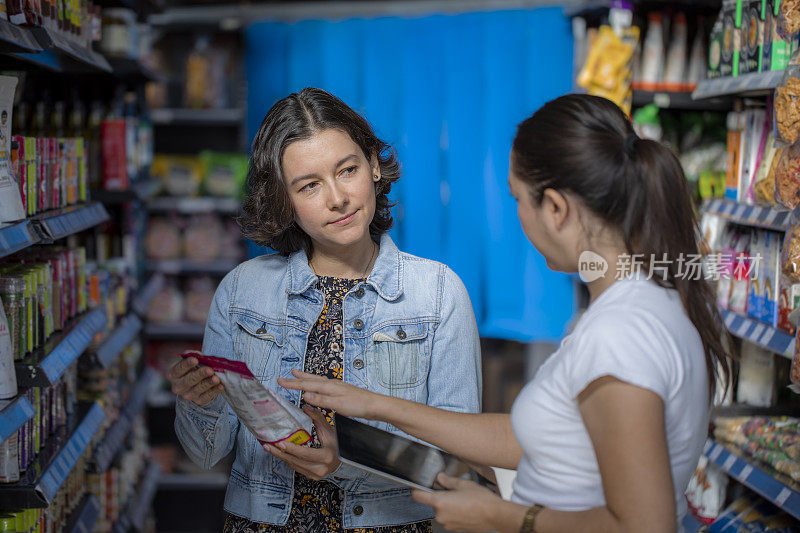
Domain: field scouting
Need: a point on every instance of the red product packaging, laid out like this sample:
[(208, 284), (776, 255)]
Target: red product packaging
[(19, 166), (115, 162)]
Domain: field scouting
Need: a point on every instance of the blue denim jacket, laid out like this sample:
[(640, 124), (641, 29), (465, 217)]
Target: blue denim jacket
[(409, 332)]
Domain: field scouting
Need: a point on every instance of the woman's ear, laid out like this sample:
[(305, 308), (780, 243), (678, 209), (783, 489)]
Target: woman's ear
[(375, 167), (555, 207)]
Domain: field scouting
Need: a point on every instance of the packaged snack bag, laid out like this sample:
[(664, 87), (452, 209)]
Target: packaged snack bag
[(791, 250), (787, 103), (789, 18), (787, 177), (269, 417)]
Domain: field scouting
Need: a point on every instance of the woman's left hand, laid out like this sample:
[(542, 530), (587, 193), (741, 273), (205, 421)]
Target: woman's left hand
[(314, 463), (463, 506)]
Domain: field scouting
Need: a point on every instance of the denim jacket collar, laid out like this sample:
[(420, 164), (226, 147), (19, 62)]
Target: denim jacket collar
[(386, 276)]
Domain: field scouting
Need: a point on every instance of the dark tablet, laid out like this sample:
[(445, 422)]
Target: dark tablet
[(393, 457)]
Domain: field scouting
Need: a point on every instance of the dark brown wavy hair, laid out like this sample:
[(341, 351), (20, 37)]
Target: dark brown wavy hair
[(269, 218), (586, 145)]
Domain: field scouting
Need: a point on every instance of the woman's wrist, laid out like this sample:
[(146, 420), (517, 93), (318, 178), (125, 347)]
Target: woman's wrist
[(508, 516)]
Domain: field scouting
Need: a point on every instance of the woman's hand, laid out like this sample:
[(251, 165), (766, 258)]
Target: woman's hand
[(197, 384), (345, 399), (314, 463), (464, 505)]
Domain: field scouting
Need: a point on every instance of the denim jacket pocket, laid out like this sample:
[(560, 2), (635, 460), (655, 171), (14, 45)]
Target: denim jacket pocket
[(254, 341), (399, 357)]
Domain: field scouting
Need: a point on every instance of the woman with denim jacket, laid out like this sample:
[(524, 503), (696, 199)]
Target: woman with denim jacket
[(338, 300), (607, 434)]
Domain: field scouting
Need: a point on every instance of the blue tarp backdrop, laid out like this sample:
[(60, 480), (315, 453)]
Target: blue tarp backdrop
[(447, 92)]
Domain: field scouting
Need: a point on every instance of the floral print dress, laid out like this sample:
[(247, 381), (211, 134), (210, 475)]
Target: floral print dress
[(317, 505)]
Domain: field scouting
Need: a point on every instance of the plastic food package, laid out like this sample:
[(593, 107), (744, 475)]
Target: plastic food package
[(167, 306), (199, 295), (706, 491), (232, 242), (787, 177), (203, 238), (225, 174), (269, 417), (180, 175), (756, 376), (764, 189), (608, 68), (791, 250), (789, 18), (787, 104), (163, 240)]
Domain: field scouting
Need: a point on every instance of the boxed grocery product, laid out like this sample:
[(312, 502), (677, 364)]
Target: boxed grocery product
[(735, 122), (764, 186), (752, 38), (777, 51), (754, 137), (740, 275), (115, 160), (731, 38), (715, 47), (755, 292), (788, 301), (769, 275)]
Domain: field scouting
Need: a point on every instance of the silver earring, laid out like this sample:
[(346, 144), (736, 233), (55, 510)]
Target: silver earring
[(376, 177)]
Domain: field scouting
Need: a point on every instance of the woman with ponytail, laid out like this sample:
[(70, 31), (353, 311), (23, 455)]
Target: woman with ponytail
[(608, 433)]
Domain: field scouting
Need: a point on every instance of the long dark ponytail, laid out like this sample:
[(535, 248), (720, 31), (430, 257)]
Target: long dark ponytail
[(586, 145)]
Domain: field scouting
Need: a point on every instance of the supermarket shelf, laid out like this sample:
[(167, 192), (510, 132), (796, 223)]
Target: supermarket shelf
[(85, 516), (756, 82), (178, 330), (189, 206), (52, 226), (177, 267), (142, 300), (53, 464), (135, 513), (760, 333), (197, 117), (13, 414), (45, 366), (204, 481), (70, 220), (126, 331), (16, 237), (772, 218), (112, 442), (60, 53), (14, 38), (142, 189), (682, 101), (754, 477)]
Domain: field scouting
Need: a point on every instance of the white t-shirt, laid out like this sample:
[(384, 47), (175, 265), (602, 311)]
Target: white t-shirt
[(639, 333)]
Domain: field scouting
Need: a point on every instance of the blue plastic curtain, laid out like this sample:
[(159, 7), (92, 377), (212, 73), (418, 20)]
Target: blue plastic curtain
[(447, 92)]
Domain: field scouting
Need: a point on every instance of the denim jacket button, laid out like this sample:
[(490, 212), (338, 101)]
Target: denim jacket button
[(359, 292), (358, 510), (260, 331), (401, 334), (358, 324), (358, 364)]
